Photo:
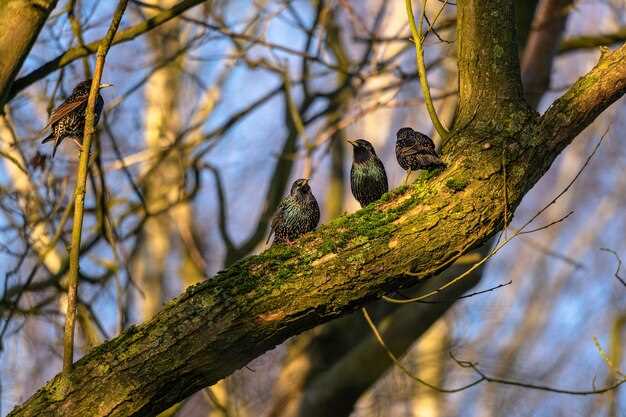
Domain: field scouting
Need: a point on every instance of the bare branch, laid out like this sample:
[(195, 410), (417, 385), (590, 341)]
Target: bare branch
[(79, 193), (78, 52), (619, 265)]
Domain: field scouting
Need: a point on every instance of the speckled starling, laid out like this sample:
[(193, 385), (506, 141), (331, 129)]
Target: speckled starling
[(368, 178), (414, 151), (297, 214), (68, 120)]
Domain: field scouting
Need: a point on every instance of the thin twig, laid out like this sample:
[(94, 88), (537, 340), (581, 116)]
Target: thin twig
[(14, 160), (395, 360), (619, 265), (482, 377), (418, 38), (487, 378), (296, 118), (605, 357), (473, 294), (79, 193), (77, 52)]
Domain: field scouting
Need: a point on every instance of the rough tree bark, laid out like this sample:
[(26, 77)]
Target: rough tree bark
[(316, 375), (334, 390), (220, 325)]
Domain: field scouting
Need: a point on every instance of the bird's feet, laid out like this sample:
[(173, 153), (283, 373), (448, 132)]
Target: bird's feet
[(78, 144), (406, 177)]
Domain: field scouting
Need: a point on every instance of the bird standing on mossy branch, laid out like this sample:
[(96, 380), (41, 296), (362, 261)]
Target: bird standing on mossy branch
[(368, 178), (297, 214), (68, 120), (414, 151)]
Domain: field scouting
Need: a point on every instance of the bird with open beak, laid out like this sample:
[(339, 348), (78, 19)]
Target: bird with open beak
[(68, 120), (368, 178)]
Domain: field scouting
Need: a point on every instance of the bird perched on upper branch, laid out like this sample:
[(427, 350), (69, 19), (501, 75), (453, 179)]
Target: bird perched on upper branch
[(297, 214), (414, 151), (368, 178), (68, 120)]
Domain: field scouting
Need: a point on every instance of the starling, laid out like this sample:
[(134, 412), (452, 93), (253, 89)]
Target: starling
[(368, 178), (297, 214), (415, 150), (68, 120)]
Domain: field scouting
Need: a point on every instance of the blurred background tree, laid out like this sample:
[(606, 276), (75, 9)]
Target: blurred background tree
[(217, 107)]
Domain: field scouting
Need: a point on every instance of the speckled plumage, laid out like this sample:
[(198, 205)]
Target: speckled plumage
[(415, 150), (368, 178), (297, 214), (68, 120)]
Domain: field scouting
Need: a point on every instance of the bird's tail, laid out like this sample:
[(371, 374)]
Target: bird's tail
[(56, 145), (49, 138), (433, 161)]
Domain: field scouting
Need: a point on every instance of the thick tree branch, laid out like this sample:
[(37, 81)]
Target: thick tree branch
[(220, 325), (306, 370), (586, 99), (20, 23), (338, 387)]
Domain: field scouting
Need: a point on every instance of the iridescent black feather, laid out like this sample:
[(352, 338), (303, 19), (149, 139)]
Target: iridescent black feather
[(415, 150), (368, 178), (68, 120), (297, 214)]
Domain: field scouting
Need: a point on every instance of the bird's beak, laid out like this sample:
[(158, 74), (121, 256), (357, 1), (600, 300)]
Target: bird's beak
[(351, 142), (105, 85)]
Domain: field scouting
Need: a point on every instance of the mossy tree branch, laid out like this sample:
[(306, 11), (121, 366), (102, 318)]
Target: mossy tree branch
[(585, 100), (220, 325)]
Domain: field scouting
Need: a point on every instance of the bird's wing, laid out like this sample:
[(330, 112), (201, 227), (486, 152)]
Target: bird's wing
[(278, 217), (418, 148), (384, 185), (64, 109), (425, 142), (382, 168)]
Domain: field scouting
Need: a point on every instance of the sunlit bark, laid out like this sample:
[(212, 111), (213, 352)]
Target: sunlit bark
[(20, 23), (221, 324)]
